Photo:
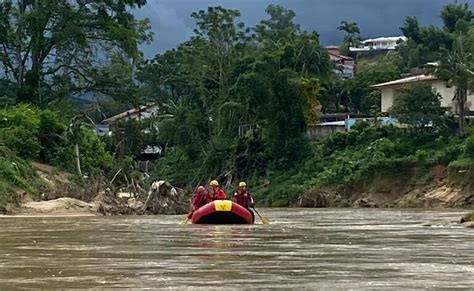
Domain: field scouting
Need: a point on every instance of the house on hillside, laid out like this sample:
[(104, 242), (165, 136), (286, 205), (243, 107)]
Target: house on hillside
[(344, 65), (390, 90), (144, 113), (141, 113), (379, 44), (316, 131)]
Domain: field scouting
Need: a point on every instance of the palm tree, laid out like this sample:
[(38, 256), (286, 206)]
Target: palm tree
[(352, 30), (350, 27), (456, 67)]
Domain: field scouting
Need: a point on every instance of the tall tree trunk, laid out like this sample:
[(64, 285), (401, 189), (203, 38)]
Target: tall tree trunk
[(36, 56), (78, 159), (18, 45), (461, 100)]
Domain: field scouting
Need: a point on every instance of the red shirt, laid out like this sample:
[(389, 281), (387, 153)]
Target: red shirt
[(200, 199), (243, 198), (219, 194)]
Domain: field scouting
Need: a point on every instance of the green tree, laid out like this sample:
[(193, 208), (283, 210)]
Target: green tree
[(228, 79), (50, 47), (448, 48), (456, 65), (116, 80), (453, 14), (220, 27), (286, 120), (279, 29), (418, 106), (357, 95), (352, 37), (84, 152), (7, 93), (30, 132), (350, 27)]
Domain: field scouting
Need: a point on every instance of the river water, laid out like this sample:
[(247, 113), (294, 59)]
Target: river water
[(301, 248)]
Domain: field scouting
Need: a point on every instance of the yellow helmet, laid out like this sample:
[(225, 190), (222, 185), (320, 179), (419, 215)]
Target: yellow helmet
[(242, 184), (214, 183)]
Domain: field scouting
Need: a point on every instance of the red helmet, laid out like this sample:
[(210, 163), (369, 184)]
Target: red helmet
[(201, 189)]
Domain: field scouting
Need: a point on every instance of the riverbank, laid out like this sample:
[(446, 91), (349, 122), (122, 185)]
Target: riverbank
[(368, 166), (58, 193), (59, 207), (376, 167), (427, 187)]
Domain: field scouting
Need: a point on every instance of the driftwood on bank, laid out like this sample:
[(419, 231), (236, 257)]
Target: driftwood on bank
[(318, 198), (163, 198)]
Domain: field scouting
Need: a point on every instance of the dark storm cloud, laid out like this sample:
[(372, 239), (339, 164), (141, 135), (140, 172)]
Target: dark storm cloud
[(172, 23)]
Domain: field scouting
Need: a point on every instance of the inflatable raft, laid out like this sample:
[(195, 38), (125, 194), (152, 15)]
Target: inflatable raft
[(222, 212)]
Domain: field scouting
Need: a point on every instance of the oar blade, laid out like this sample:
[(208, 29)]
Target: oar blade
[(184, 221), (263, 219)]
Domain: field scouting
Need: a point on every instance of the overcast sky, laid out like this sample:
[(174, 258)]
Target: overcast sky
[(172, 23)]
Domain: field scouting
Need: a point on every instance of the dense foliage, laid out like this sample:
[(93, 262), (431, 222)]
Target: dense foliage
[(447, 51), (351, 160), (51, 52), (231, 85), (235, 101), (418, 106), (275, 98), (52, 48)]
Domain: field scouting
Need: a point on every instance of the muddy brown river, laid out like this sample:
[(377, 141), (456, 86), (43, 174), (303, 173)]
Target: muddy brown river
[(301, 249)]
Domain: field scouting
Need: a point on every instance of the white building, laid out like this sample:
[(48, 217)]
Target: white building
[(141, 113), (390, 90), (380, 43)]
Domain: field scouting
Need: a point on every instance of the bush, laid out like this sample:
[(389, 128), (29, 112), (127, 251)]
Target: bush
[(352, 158), (418, 106), (469, 150), (20, 115), (93, 155), (15, 174), (22, 141), (461, 171), (50, 133), (29, 132), (384, 145), (281, 195), (251, 155), (176, 167), (19, 129)]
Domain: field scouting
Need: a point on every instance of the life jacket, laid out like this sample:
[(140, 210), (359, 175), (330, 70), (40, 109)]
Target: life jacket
[(219, 194), (200, 199), (243, 198)]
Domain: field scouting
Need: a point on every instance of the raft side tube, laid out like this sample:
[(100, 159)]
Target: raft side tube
[(222, 212)]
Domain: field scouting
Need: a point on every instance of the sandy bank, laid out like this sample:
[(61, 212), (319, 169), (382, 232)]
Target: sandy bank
[(57, 207)]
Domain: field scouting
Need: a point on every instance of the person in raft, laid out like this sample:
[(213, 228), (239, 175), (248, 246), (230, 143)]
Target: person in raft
[(217, 191), (200, 198), (243, 197)]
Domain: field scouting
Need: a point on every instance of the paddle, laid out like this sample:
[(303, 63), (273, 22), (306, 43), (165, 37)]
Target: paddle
[(263, 219), (184, 221)]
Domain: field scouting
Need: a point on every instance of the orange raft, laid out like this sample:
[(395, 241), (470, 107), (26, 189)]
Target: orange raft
[(222, 212)]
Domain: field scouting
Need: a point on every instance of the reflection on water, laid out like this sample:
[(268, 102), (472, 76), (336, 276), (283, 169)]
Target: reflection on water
[(302, 248)]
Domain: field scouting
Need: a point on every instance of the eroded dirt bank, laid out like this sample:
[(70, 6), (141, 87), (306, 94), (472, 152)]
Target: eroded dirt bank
[(418, 188)]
